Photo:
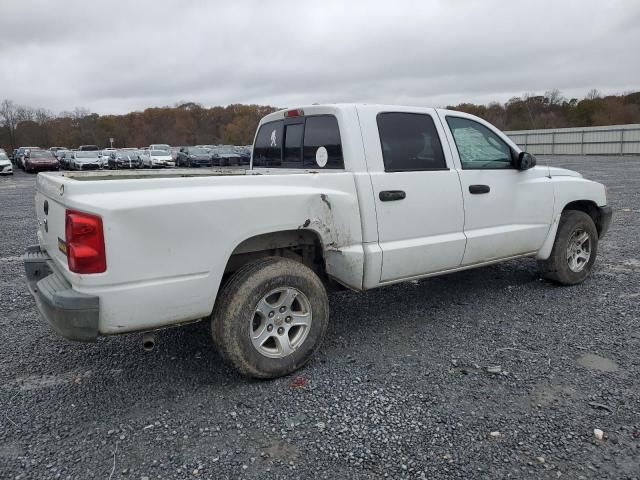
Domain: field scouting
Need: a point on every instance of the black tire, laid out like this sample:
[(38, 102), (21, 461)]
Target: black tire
[(235, 309), (556, 267)]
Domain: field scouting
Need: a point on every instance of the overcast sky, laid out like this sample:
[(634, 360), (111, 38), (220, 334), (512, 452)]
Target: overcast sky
[(115, 56)]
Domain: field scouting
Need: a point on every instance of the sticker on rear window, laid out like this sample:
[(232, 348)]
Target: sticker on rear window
[(322, 156), (274, 139)]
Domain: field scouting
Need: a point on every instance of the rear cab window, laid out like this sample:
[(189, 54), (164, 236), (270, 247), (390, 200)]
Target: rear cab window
[(305, 142)]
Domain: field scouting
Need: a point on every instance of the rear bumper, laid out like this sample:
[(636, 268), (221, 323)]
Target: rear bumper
[(71, 314), (605, 214), (88, 166), (41, 167), (124, 166)]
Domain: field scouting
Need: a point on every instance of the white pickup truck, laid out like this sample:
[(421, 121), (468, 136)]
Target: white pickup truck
[(361, 196)]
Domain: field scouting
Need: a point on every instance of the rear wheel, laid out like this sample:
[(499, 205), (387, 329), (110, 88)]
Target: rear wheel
[(574, 250), (270, 317)]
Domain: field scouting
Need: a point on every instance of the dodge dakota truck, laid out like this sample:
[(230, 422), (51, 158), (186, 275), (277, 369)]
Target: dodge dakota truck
[(355, 196)]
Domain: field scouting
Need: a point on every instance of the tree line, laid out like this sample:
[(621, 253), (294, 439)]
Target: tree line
[(184, 124), (553, 110), (193, 124)]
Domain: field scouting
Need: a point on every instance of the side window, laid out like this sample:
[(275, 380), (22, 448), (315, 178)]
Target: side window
[(322, 135), (268, 145), (410, 142), (478, 147), (293, 145)]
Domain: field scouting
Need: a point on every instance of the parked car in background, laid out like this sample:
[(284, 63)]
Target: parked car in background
[(157, 159), (124, 159), (104, 156), (6, 168), (85, 160), (39, 161), (225, 155), (56, 149), (245, 154), (59, 153), (88, 148), (64, 158), (174, 152), (194, 157), (20, 154), (160, 146)]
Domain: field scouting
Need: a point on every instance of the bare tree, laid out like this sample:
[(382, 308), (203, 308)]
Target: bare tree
[(554, 97), (79, 113), (9, 119), (593, 94), (25, 114), (42, 115)]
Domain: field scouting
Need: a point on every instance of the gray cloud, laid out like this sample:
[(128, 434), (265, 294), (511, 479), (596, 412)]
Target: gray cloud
[(115, 56)]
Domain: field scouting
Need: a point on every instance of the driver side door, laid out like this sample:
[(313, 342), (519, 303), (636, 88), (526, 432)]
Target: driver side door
[(508, 212)]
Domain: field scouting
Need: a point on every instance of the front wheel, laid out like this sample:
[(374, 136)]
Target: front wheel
[(270, 317), (574, 250)]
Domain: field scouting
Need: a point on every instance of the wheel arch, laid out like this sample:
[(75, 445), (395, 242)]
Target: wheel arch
[(303, 245), (590, 208)]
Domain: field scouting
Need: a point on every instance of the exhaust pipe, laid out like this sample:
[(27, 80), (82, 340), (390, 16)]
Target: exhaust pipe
[(148, 341)]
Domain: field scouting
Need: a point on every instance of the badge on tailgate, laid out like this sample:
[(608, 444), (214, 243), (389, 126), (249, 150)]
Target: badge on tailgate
[(62, 245)]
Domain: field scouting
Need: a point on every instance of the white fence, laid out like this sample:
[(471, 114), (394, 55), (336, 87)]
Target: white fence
[(611, 140)]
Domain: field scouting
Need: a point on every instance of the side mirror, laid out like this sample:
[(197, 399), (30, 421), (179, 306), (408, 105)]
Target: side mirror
[(525, 161)]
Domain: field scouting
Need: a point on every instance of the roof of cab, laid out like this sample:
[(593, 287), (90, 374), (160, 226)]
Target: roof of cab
[(332, 107)]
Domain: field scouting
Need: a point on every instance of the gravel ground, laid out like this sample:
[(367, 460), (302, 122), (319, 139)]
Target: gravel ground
[(403, 387)]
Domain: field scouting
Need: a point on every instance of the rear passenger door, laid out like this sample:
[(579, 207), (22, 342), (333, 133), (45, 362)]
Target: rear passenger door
[(417, 192)]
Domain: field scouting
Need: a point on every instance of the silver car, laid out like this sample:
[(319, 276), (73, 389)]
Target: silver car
[(5, 164), (85, 160), (157, 159)]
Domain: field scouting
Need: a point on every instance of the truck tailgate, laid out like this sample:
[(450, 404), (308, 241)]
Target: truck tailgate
[(50, 213)]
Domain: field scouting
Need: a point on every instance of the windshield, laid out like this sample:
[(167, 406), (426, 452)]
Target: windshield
[(159, 153), (225, 150), (3, 156), (160, 146), (198, 151), (87, 154), (40, 154)]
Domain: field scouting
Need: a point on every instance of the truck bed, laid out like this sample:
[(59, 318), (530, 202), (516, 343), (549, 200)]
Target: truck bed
[(169, 237)]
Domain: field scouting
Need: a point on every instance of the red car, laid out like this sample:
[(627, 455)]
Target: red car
[(39, 160)]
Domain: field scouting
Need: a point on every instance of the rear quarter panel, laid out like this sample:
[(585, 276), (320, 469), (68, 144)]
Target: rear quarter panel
[(168, 240)]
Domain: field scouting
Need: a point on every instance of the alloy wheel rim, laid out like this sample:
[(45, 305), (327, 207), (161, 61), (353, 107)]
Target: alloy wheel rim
[(281, 322), (578, 250)]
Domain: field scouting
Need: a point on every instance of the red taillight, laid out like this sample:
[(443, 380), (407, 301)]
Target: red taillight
[(85, 242), (298, 112)]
